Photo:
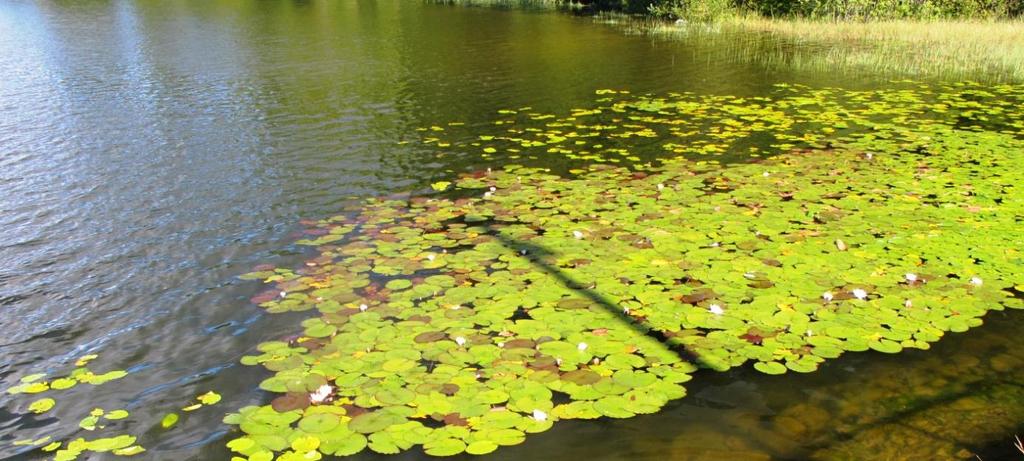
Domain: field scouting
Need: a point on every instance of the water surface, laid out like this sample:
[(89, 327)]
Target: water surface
[(152, 151)]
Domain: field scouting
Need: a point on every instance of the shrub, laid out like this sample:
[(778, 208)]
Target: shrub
[(693, 10), (886, 9)]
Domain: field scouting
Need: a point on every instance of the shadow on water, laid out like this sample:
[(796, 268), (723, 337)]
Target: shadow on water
[(541, 258)]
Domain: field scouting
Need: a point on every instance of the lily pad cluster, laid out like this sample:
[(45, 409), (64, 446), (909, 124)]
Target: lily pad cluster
[(624, 129), (462, 322), (35, 383), (120, 445)]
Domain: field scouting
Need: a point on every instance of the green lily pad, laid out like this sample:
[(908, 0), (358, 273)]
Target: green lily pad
[(528, 296), (368, 423), (319, 422), (771, 368)]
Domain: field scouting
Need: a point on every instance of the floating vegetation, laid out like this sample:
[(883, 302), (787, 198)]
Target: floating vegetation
[(34, 384), (120, 445), (169, 420), (635, 130), (888, 219), (42, 405), (92, 422), (207, 399)]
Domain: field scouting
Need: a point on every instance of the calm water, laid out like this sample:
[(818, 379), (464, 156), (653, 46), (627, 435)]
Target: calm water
[(152, 151)]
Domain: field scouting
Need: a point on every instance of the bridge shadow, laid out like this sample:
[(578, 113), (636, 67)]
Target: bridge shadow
[(542, 259)]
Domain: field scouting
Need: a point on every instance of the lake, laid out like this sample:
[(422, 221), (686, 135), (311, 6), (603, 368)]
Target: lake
[(152, 152)]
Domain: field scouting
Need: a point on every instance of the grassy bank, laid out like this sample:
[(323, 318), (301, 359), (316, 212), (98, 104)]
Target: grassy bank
[(937, 48), (846, 10)]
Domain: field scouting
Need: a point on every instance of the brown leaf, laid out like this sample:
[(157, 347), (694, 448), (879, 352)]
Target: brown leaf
[(429, 337), (520, 344), (581, 377), (449, 389), (290, 401), (697, 296), (454, 419)]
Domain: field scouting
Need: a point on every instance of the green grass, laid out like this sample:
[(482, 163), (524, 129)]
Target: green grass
[(985, 50)]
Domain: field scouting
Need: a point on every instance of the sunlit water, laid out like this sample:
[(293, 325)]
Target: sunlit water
[(152, 151)]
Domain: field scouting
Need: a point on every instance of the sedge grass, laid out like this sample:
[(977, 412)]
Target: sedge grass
[(987, 50)]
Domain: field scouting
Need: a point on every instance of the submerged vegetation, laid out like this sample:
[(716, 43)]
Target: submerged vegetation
[(879, 220)]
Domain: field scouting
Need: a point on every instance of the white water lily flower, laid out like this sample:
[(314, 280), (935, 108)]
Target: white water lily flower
[(661, 187), (363, 307), (430, 257), (715, 244), (860, 294), (487, 195), (494, 189), (827, 296), (558, 361), (577, 234), (976, 281), (283, 294), (625, 310), (457, 307), (716, 309), (911, 277), (540, 415), (460, 340), (810, 333), (321, 394), (907, 303), (581, 346), (869, 155), (766, 174)]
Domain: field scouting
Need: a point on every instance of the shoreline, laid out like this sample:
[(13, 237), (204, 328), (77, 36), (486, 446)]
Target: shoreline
[(979, 48), (988, 50)]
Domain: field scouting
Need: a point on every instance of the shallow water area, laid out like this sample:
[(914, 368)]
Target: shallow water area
[(153, 152)]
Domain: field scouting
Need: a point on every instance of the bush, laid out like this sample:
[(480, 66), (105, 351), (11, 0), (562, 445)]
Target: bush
[(709, 10), (693, 10), (886, 9)]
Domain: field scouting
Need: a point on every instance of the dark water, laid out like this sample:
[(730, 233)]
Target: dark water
[(152, 151)]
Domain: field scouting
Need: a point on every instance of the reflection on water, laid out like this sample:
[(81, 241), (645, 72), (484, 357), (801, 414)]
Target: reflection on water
[(151, 151)]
